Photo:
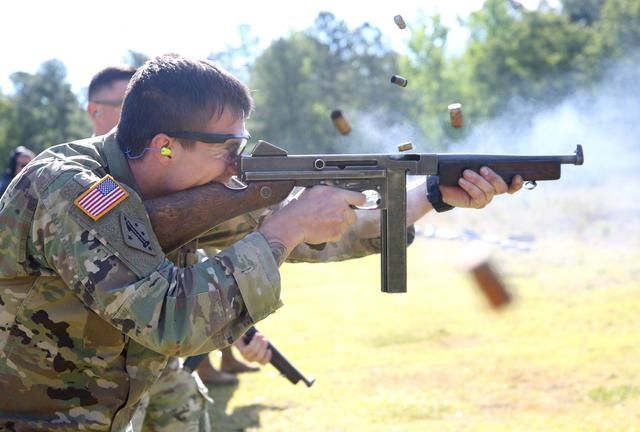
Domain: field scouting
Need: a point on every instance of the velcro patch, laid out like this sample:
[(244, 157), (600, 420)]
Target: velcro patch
[(101, 197), (135, 234)]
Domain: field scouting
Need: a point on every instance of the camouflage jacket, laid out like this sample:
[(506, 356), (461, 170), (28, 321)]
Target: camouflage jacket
[(90, 309)]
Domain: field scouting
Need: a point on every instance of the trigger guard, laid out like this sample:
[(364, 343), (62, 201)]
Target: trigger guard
[(373, 200)]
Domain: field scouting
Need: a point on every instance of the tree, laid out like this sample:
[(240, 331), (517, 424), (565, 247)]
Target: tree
[(620, 28), (300, 80), (583, 11), (46, 112), (285, 112), (434, 82), (7, 112), (517, 55), (239, 59)]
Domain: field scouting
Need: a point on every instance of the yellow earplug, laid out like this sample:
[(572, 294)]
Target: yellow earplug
[(165, 151)]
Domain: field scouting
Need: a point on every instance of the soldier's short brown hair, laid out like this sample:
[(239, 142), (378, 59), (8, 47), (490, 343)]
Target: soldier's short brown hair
[(107, 76), (175, 93)]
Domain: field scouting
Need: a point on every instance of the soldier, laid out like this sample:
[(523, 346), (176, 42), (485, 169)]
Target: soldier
[(92, 309), (105, 95), (18, 159)]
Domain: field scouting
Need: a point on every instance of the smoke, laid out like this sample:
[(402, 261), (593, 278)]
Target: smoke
[(376, 133), (605, 120), (596, 202)]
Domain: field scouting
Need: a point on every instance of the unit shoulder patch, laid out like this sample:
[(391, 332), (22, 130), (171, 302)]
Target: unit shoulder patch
[(135, 234)]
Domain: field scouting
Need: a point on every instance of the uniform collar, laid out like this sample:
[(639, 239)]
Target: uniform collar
[(117, 163)]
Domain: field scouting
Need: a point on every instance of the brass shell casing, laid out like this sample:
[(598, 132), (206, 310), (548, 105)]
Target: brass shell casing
[(455, 115), (490, 284), (405, 147), (398, 80), (340, 122), (399, 22)]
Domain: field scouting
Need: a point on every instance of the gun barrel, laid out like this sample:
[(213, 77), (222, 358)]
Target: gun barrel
[(579, 157), (575, 159), (280, 362)]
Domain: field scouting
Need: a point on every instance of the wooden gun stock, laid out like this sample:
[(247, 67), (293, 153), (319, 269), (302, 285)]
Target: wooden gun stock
[(183, 216), (530, 168), (450, 172)]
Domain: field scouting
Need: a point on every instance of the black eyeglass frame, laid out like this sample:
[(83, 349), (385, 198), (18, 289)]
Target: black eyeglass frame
[(112, 103), (213, 138), (206, 137)]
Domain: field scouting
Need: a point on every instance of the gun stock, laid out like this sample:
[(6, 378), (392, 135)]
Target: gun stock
[(183, 216)]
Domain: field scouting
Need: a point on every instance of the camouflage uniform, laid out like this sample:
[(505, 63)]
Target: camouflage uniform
[(176, 400), (89, 312)]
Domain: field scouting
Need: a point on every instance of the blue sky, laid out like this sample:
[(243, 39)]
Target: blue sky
[(87, 35)]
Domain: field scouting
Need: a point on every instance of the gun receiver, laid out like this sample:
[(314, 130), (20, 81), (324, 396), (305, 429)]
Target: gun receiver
[(386, 174), (280, 362)]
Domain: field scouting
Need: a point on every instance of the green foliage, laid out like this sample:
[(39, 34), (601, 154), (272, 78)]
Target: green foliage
[(300, 80), (434, 83), (45, 110), (284, 97), (582, 11), (514, 56), (620, 27), (7, 113), (518, 55), (614, 395)]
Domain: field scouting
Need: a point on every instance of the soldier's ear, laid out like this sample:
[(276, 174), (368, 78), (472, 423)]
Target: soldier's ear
[(162, 148), (92, 109)]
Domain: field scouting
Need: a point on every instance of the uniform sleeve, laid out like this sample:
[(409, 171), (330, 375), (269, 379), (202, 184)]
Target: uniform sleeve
[(231, 231), (348, 247), (116, 268)]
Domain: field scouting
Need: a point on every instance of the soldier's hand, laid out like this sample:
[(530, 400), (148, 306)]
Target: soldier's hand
[(255, 351), (325, 213), (321, 214), (477, 190)]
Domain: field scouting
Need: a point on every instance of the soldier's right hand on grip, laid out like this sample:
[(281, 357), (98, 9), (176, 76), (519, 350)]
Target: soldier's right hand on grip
[(324, 214), (320, 214)]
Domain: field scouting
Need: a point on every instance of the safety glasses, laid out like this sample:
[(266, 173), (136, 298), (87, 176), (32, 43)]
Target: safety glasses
[(235, 143)]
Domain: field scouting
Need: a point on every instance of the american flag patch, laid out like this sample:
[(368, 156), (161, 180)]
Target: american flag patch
[(101, 197)]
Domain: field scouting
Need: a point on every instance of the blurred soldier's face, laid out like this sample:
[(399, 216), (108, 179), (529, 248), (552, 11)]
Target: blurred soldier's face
[(105, 106), (21, 162)]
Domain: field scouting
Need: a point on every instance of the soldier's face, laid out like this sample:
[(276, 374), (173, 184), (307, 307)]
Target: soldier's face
[(105, 106), (22, 161), (207, 162)]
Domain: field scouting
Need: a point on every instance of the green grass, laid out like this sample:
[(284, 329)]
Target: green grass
[(565, 356)]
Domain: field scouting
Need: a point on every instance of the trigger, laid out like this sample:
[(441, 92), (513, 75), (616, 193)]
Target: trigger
[(531, 184)]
